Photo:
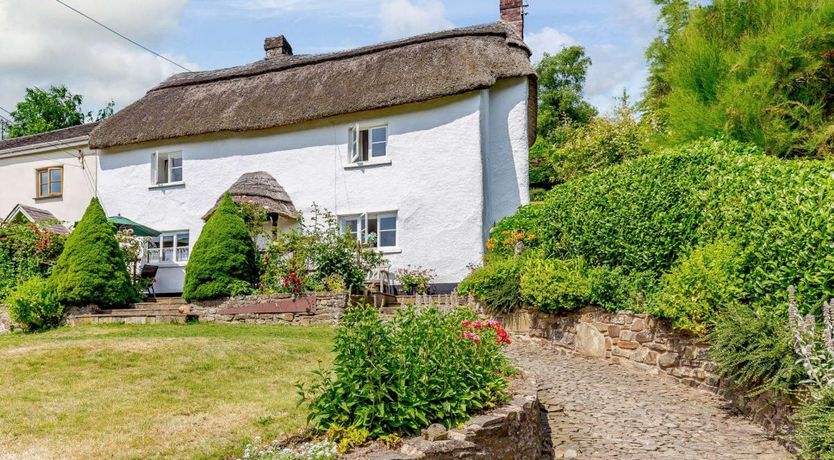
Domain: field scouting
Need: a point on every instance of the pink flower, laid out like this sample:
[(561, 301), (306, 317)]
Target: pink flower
[(472, 336), (494, 324)]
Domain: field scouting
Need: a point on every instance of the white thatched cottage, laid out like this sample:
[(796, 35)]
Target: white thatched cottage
[(422, 140)]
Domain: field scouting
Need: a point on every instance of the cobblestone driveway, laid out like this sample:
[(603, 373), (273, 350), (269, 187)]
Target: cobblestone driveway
[(597, 409)]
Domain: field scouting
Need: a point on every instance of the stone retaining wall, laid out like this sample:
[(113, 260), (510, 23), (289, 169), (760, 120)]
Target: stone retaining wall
[(511, 432), (650, 344), (328, 308)]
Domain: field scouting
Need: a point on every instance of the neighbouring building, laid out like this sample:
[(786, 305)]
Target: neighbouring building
[(49, 176), (422, 142)]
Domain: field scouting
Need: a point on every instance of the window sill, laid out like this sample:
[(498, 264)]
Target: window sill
[(391, 250), (169, 264), (166, 185), (47, 197), (368, 164)]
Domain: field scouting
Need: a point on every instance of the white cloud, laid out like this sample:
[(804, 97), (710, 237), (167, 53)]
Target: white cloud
[(547, 40), (44, 43), (401, 18)]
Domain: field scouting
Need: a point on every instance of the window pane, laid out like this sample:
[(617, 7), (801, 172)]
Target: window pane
[(372, 227), (182, 254), (351, 226), (43, 183), (162, 170), (182, 240), (167, 255), (378, 150), (176, 174), (55, 187), (167, 241), (153, 256), (379, 134), (387, 238), (388, 223), (363, 145), (176, 162), (44, 189)]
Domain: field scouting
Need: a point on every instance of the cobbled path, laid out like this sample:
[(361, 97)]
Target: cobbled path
[(601, 410)]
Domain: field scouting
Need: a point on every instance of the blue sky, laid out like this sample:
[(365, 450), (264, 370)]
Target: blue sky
[(44, 43)]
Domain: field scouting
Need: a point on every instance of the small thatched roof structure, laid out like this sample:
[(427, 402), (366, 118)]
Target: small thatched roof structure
[(261, 190), (292, 89)]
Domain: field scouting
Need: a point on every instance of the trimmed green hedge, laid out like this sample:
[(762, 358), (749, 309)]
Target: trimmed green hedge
[(646, 214), (92, 268), (223, 260)]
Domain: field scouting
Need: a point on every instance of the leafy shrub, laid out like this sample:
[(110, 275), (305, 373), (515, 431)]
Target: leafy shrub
[(753, 351), (603, 142), (415, 279), (758, 71), (27, 250), (646, 214), (698, 286), (347, 438), (314, 251), (421, 367), (92, 268), (552, 284), (497, 284), (223, 259), (34, 306), (815, 425)]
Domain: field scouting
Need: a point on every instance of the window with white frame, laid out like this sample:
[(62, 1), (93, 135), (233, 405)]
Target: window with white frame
[(168, 248), (166, 168), (368, 143), (378, 229)]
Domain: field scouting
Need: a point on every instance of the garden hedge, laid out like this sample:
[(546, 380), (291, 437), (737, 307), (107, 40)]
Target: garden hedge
[(647, 214), (91, 269), (223, 259)]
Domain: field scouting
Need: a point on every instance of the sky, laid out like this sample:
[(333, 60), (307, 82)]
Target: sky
[(43, 43)]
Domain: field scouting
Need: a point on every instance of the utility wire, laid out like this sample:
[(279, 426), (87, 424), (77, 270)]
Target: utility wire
[(124, 37)]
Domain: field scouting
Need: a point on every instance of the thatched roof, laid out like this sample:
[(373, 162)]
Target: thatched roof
[(55, 137), (261, 190), (293, 89)]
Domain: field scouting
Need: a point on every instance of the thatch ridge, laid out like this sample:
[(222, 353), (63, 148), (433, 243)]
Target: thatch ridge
[(261, 190), (294, 89)]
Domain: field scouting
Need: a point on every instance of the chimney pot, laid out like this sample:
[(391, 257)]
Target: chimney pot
[(512, 12), (276, 47)]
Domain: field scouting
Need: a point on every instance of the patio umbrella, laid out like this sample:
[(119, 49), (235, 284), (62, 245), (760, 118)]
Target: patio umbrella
[(138, 229)]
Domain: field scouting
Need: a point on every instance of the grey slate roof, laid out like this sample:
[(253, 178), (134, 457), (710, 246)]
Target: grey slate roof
[(55, 136), (39, 215)]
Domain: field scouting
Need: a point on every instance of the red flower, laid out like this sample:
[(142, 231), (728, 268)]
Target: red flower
[(503, 337), (293, 283)]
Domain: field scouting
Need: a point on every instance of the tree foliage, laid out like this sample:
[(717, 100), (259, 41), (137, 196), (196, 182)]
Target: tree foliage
[(561, 80), (223, 259), (759, 71), (50, 109), (92, 268)]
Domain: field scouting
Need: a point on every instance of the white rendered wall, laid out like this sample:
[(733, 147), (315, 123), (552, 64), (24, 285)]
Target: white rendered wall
[(18, 183), (434, 180), (506, 160)]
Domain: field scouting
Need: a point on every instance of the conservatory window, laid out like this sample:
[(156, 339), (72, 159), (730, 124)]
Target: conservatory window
[(168, 248)]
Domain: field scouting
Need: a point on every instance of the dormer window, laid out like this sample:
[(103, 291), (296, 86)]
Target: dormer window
[(368, 143)]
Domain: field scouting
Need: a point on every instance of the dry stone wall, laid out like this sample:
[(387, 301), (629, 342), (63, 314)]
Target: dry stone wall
[(5, 322), (511, 432), (319, 308)]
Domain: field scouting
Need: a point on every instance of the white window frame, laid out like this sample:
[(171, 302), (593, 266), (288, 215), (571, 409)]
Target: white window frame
[(155, 157), (158, 250), (361, 221), (354, 150)]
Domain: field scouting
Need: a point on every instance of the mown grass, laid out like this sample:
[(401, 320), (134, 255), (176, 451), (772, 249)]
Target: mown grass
[(153, 391)]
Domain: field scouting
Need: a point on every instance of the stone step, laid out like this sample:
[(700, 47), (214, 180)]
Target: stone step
[(150, 306), (165, 301), (141, 312)]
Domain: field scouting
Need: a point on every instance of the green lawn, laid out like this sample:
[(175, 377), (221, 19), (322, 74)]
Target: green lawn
[(153, 391)]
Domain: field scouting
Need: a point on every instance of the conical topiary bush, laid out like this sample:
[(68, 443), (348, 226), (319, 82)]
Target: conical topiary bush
[(91, 268), (223, 258)]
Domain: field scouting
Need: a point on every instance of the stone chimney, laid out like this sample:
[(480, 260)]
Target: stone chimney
[(276, 47), (512, 12)]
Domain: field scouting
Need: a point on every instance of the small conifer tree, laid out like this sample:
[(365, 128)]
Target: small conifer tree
[(91, 269), (223, 258)]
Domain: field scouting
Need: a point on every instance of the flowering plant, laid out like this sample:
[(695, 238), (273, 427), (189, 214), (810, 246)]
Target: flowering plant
[(292, 282), (816, 357), (324, 450), (416, 279), (501, 335)]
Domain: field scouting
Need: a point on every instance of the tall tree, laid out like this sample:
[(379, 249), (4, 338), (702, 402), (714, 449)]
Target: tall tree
[(561, 81), (53, 108)]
